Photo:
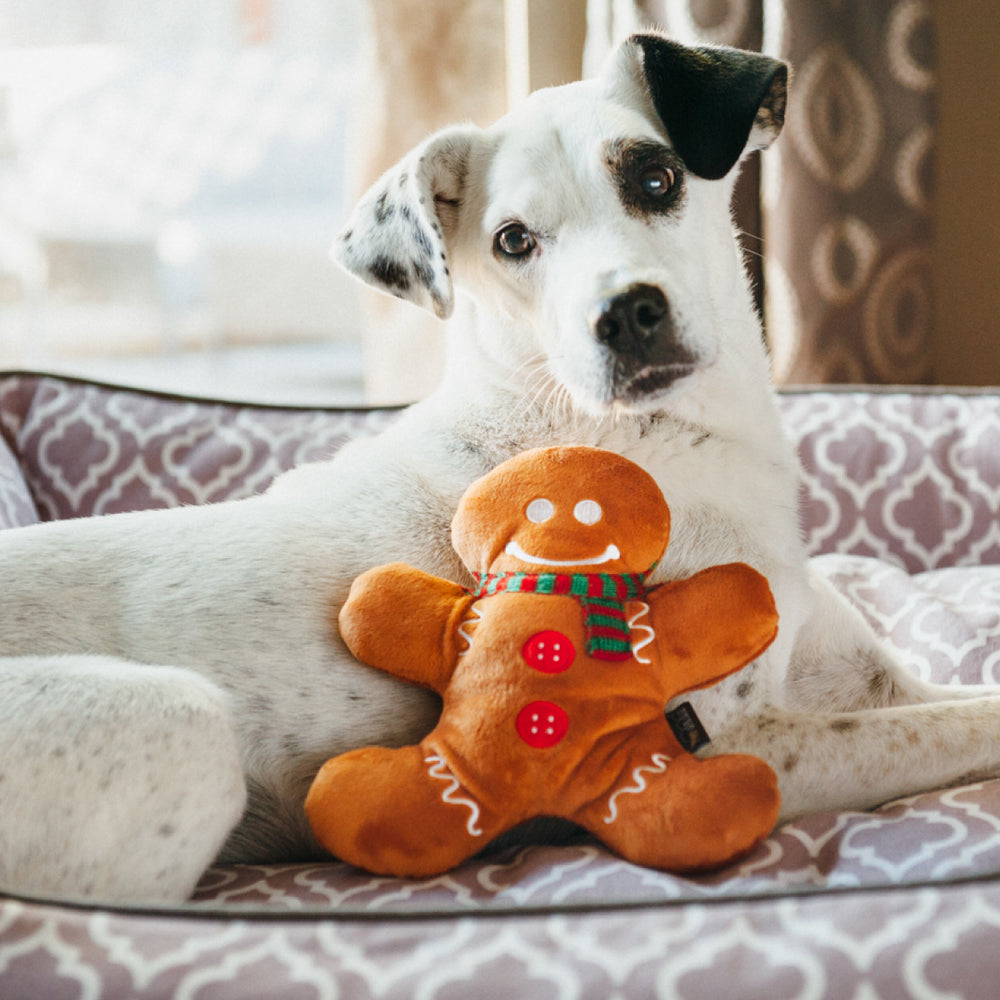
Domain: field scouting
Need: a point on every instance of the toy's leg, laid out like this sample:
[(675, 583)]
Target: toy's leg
[(397, 812), (684, 814)]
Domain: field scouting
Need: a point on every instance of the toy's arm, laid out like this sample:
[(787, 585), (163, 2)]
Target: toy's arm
[(405, 622), (712, 624)]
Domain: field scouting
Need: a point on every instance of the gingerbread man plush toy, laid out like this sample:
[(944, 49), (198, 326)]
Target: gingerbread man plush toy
[(554, 670)]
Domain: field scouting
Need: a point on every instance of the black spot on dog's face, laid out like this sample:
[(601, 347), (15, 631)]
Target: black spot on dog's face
[(709, 98), (422, 241), (424, 274), (391, 273), (384, 209), (649, 176)]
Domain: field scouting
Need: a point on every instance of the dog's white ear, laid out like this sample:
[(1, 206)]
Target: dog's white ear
[(715, 103), (396, 238)]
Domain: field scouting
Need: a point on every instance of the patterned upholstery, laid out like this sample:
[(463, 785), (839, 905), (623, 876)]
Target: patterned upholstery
[(909, 478), (900, 496), (87, 450)]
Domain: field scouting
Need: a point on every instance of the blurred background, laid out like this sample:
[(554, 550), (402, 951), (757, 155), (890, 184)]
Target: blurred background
[(170, 178), (172, 171)]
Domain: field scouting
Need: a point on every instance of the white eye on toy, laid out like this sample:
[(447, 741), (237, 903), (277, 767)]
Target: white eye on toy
[(588, 512), (539, 511)]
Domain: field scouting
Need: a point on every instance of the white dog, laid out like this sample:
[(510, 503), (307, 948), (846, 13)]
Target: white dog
[(159, 666)]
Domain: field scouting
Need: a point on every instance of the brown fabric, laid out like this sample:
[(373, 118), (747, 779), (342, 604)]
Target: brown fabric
[(526, 731), (847, 201), (847, 192)]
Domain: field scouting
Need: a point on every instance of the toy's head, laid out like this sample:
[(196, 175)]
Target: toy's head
[(562, 510)]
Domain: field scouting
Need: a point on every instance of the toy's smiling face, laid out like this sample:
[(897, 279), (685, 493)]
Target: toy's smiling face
[(562, 510), (560, 545)]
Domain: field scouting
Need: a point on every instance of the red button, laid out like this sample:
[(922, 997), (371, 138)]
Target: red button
[(542, 724), (551, 652)]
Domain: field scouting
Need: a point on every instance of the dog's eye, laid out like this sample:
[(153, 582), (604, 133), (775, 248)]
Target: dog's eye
[(656, 181), (513, 240)]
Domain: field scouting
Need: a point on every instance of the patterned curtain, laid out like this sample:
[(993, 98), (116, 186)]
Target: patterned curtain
[(846, 195)]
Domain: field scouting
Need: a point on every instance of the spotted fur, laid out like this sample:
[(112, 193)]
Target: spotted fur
[(395, 237)]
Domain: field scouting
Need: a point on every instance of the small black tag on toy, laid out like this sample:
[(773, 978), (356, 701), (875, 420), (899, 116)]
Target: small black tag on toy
[(687, 727)]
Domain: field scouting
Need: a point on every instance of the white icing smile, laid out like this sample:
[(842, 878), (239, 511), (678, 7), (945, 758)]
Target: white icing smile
[(611, 552)]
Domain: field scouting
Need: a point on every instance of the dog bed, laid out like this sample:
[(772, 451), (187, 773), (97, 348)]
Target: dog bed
[(900, 494)]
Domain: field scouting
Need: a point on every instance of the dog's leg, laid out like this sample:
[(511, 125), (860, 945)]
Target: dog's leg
[(117, 781), (855, 728), (858, 760), (838, 663)]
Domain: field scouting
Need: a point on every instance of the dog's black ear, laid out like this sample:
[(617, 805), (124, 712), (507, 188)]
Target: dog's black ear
[(396, 238), (713, 102)]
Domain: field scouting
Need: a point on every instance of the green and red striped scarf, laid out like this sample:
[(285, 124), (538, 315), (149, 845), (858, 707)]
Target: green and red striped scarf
[(602, 597)]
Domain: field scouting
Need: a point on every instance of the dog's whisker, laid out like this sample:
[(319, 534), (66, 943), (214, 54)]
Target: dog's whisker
[(527, 371), (749, 251), (547, 396), (545, 393), (558, 404), (541, 388)]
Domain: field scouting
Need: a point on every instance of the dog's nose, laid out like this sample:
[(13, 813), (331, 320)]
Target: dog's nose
[(634, 321)]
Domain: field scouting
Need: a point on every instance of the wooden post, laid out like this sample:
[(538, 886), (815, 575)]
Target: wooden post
[(544, 42)]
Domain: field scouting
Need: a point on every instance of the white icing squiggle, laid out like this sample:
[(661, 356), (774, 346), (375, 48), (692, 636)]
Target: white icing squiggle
[(659, 765), (440, 771), (639, 644), (471, 622)]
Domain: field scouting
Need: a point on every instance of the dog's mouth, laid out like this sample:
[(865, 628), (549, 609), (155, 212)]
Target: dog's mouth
[(648, 383), (652, 380), (627, 386)]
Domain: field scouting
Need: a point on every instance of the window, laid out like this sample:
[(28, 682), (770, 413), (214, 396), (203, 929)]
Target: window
[(171, 175)]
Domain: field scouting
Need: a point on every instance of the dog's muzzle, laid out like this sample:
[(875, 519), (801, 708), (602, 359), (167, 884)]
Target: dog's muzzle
[(636, 327)]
